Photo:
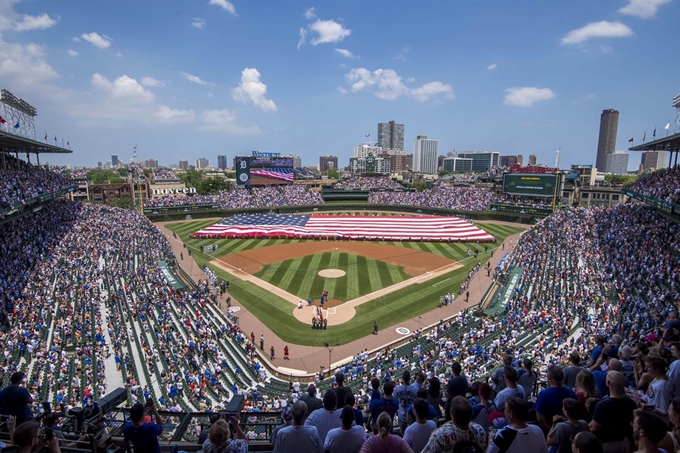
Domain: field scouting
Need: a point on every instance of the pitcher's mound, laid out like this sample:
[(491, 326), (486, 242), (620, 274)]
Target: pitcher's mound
[(332, 273)]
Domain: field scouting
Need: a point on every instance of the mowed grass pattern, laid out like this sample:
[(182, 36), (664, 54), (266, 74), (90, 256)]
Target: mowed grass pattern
[(406, 303), (299, 276)]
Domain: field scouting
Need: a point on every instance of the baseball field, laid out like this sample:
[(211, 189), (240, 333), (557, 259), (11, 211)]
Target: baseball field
[(370, 268)]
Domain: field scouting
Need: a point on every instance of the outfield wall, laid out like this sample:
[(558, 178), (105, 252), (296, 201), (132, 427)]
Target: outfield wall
[(503, 216)]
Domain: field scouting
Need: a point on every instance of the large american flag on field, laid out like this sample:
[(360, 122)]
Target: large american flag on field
[(414, 228), (284, 174)]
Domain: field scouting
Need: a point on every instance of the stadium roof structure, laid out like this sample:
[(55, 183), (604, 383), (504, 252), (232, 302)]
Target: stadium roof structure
[(12, 143), (670, 143)]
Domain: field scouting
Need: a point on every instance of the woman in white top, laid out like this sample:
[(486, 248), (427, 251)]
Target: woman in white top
[(672, 440)]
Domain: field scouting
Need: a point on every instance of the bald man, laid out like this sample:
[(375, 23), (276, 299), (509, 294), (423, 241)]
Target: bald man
[(613, 416), (600, 376)]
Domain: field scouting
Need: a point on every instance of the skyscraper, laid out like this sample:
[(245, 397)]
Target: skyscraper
[(391, 135), (617, 163), (184, 164), (114, 160), (425, 152), (202, 163), (609, 126), (328, 163), (532, 159), (222, 162)]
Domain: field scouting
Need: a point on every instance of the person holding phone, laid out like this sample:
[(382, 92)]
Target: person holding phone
[(26, 438), (144, 436)]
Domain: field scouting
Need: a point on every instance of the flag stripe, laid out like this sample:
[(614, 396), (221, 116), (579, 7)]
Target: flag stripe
[(436, 228), (285, 174)]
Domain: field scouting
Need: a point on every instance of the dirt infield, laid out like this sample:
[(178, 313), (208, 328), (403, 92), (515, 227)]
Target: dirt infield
[(414, 262)]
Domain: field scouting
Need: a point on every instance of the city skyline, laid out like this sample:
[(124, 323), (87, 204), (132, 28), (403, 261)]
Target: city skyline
[(310, 79)]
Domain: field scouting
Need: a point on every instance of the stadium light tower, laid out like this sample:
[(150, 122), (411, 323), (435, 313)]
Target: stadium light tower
[(20, 115)]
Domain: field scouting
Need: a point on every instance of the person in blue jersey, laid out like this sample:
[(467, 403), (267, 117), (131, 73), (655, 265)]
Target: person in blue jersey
[(143, 436)]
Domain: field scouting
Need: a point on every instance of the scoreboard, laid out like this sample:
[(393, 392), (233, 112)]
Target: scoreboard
[(531, 184)]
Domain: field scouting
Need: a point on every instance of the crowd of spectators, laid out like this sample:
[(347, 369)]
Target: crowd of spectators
[(662, 184), (20, 181), (256, 197), (594, 312), (534, 202), (368, 183), (462, 198), (164, 176)]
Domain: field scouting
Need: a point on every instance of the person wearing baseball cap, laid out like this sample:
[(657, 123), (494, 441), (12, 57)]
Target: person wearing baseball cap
[(286, 418), (15, 399)]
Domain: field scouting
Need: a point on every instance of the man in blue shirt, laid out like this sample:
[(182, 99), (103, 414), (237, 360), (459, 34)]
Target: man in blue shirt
[(143, 436), (549, 401), (15, 400), (384, 404)]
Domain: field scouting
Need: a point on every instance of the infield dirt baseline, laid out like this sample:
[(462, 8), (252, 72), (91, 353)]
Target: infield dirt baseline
[(421, 265)]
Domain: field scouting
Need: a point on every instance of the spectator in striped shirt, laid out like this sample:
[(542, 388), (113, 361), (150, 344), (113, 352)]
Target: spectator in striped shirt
[(299, 436), (327, 418)]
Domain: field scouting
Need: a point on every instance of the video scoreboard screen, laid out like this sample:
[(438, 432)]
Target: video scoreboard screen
[(530, 184)]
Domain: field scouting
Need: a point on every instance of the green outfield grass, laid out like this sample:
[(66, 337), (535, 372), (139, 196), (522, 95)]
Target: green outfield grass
[(406, 303), (299, 276)]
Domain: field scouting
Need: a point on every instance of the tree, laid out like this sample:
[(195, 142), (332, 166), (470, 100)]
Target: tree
[(124, 203), (212, 186), (619, 179), (104, 177), (333, 173), (192, 178), (122, 172)]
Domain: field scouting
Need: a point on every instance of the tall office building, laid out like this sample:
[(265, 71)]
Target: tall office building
[(654, 160), (606, 144), (617, 163), (481, 160), (532, 159), (114, 160), (425, 152), (184, 164), (391, 135), (202, 163), (507, 161), (222, 162), (151, 163), (328, 163)]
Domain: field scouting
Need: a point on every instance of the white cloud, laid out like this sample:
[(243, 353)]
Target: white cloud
[(343, 90), (119, 55), (328, 31), (645, 9), (491, 67), (76, 39), (602, 29), (10, 20), (151, 82), (225, 4), (301, 39), (225, 120), (401, 56), (410, 79), (194, 78), (346, 53), (166, 114), (430, 89), (526, 96), (198, 23), (390, 86), (24, 65), (322, 31), (123, 88), (310, 13), (72, 52), (40, 22), (253, 90), (97, 40)]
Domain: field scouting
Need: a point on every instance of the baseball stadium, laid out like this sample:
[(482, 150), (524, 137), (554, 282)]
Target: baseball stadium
[(489, 303)]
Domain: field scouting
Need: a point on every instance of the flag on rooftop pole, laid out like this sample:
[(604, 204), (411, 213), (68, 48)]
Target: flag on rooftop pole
[(631, 140), (55, 139), (654, 133), (45, 136), (644, 137), (668, 126)]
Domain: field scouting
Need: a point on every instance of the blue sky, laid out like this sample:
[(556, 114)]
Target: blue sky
[(189, 79)]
